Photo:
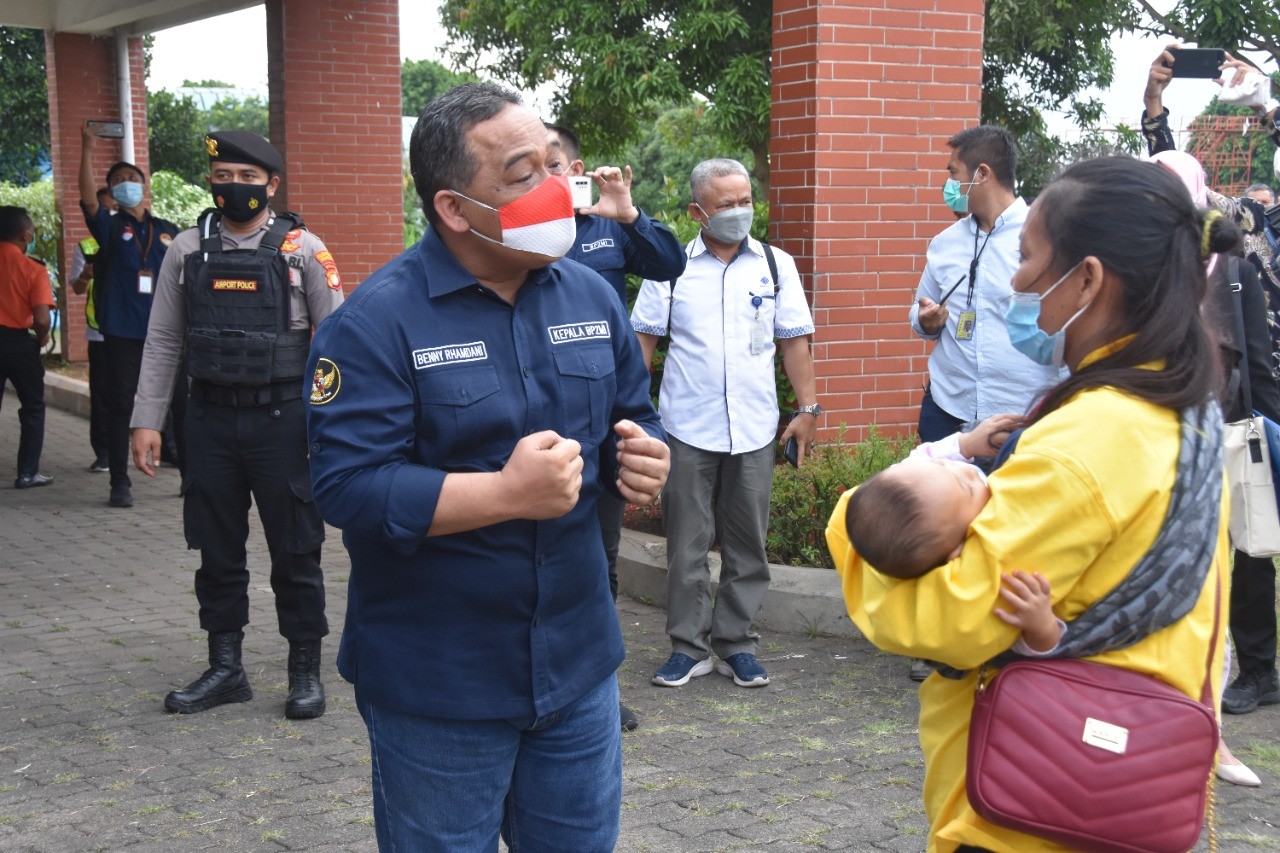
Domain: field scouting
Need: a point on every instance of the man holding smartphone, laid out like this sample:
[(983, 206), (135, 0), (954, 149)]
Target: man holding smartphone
[(132, 245), (615, 238)]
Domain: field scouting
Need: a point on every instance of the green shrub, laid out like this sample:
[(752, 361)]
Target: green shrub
[(803, 498), (37, 198), (174, 199)]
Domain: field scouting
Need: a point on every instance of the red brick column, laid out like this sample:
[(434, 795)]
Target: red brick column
[(334, 72), (82, 85), (865, 95)]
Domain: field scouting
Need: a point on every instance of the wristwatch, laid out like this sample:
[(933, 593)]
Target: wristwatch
[(815, 410)]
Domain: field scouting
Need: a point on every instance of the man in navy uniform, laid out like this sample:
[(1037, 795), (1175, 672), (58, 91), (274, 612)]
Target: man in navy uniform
[(242, 292), (615, 238), (132, 245), (460, 400)]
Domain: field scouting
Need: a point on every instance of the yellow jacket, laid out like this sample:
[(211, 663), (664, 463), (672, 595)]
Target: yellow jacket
[(1080, 500)]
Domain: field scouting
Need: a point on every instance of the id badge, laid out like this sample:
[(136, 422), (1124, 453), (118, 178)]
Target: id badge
[(146, 283), (965, 325), (759, 336)]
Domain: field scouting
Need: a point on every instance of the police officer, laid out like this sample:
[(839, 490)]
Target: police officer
[(243, 290), (133, 245), (25, 301)]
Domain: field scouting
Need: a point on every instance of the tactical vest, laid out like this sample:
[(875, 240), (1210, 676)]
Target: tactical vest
[(238, 310)]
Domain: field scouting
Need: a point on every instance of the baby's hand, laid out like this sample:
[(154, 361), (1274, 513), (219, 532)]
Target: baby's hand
[(987, 437), (1032, 609)]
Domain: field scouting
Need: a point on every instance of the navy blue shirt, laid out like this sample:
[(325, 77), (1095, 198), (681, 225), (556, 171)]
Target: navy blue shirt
[(423, 372), (122, 310), (646, 248)]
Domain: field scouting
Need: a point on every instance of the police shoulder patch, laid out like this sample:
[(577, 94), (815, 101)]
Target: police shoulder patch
[(325, 383), (331, 276)]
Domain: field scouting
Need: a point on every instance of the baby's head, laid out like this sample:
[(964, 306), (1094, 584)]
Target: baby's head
[(914, 516)]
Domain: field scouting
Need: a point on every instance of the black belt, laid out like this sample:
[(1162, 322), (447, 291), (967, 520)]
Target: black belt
[(240, 397)]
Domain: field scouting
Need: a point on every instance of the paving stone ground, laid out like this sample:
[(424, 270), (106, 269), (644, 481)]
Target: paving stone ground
[(98, 621)]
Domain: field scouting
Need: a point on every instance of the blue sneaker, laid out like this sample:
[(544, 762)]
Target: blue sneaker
[(678, 669), (745, 669)]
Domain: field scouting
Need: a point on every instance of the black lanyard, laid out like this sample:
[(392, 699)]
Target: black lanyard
[(977, 253)]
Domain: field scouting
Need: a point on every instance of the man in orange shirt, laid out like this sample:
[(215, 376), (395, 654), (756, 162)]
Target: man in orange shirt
[(25, 301)]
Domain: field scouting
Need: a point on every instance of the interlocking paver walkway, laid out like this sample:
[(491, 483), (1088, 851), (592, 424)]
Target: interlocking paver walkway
[(97, 622)]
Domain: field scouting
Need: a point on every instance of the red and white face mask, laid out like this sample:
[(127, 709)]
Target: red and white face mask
[(539, 222)]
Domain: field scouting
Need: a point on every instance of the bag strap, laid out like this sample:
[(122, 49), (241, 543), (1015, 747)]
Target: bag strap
[(1237, 308), (773, 268), (769, 258)]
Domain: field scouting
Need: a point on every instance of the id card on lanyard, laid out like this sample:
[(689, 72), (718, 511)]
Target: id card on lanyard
[(967, 322), (146, 279)]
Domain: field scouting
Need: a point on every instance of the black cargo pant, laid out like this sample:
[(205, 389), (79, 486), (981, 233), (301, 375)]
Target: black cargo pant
[(1253, 613), (20, 364), (234, 453)]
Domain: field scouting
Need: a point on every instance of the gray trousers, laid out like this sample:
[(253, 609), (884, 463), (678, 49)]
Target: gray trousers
[(709, 493)]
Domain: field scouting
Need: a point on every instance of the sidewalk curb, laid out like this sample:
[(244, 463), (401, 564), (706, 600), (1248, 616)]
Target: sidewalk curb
[(799, 601), (63, 392)]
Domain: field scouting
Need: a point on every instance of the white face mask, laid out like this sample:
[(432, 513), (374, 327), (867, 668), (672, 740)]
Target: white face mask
[(730, 226), (539, 222)]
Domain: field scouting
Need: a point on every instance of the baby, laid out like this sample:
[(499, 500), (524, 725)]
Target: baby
[(914, 516)]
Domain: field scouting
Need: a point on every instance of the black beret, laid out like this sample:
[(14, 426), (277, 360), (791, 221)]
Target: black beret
[(241, 146)]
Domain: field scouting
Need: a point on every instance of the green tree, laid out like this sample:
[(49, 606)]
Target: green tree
[(1214, 23), (666, 152), (423, 79), (24, 103), (177, 200), (616, 65), (1045, 56), (177, 127), (250, 114)]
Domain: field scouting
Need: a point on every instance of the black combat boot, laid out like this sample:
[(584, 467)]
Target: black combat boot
[(306, 693), (224, 681)]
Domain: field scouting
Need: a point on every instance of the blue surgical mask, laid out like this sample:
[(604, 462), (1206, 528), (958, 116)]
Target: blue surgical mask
[(956, 200), (127, 193), (1022, 319)]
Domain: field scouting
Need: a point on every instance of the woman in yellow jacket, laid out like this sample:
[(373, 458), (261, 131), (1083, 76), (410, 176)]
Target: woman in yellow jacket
[(1110, 284)]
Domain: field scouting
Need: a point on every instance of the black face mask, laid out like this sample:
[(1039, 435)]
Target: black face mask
[(240, 202)]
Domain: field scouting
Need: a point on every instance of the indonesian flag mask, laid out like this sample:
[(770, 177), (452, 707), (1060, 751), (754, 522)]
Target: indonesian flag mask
[(539, 222)]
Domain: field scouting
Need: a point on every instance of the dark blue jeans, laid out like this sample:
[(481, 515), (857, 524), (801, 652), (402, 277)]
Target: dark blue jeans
[(935, 423), (546, 783)]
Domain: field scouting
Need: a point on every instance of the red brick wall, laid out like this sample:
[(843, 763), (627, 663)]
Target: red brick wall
[(82, 85), (334, 72), (865, 95)]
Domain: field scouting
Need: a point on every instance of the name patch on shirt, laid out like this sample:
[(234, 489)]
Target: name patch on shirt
[(241, 285), (605, 243), (452, 354), (570, 332)]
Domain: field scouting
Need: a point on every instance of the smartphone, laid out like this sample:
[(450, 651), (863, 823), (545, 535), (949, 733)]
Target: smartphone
[(580, 191), (1198, 62), (108, 129), (792, 452)]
